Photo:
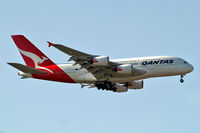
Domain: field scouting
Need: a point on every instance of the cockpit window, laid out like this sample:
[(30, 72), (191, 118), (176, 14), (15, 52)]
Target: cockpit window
[(185, 62)]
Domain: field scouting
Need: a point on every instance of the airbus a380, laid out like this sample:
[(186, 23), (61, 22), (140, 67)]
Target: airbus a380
[(117, 75)]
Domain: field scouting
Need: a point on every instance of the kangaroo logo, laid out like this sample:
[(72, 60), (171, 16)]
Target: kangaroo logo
[(36, 59), (43, 59)]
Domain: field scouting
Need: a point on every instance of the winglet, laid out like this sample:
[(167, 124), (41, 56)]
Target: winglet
[(50, 44)]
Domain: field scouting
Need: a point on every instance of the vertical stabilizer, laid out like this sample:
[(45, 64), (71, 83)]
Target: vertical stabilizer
[(32, 56)]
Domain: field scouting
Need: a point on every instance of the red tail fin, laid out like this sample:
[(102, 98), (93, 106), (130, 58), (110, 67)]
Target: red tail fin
[(31, 55)]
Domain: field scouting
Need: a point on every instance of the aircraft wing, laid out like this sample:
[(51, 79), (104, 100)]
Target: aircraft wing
[(67, 50), (101, 73), (84, 60)]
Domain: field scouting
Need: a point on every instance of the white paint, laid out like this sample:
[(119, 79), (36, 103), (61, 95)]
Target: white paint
[(155, 70)]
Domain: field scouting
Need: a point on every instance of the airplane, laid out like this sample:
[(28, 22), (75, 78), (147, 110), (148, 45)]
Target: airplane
[(117, 75)]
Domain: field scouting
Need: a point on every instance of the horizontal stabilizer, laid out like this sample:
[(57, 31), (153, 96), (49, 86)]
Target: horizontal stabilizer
[(26, 69)]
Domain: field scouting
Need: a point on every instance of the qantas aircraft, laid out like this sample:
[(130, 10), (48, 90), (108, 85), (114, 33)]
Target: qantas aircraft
[(117, 75)]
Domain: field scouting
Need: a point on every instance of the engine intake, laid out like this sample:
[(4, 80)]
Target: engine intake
[(100, 61), (120, 88), (125, 69), (135, 84)]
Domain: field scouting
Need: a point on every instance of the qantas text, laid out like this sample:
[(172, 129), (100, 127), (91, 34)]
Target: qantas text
[(157, 62)]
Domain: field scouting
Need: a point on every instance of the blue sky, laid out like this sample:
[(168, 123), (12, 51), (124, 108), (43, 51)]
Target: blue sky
[(119, 29)]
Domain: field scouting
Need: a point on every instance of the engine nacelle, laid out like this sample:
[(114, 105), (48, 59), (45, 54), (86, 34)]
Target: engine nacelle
[(120, 88), (125, 69), (135, 84), (100, 61)]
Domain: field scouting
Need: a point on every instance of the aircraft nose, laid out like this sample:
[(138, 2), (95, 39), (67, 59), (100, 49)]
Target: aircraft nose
[(190, 68)]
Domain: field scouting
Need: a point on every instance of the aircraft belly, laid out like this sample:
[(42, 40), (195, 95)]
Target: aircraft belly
[(127, 79), (85, 78)]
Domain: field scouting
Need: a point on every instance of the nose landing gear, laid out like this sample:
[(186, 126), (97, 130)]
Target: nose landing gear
[(181, 80)]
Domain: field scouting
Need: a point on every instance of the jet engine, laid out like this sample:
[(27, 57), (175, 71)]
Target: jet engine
[(120, 88), (135, 84), (125, 69), (100, 61)]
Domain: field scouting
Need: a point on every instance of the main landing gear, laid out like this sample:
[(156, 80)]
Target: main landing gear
[(181, 80), (105, 86)]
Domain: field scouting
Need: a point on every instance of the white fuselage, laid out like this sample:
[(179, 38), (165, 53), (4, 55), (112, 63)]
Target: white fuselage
[(117, 75), (155, 66)]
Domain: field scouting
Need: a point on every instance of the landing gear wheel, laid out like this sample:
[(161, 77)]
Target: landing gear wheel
[(104, 86), (181, 80)]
